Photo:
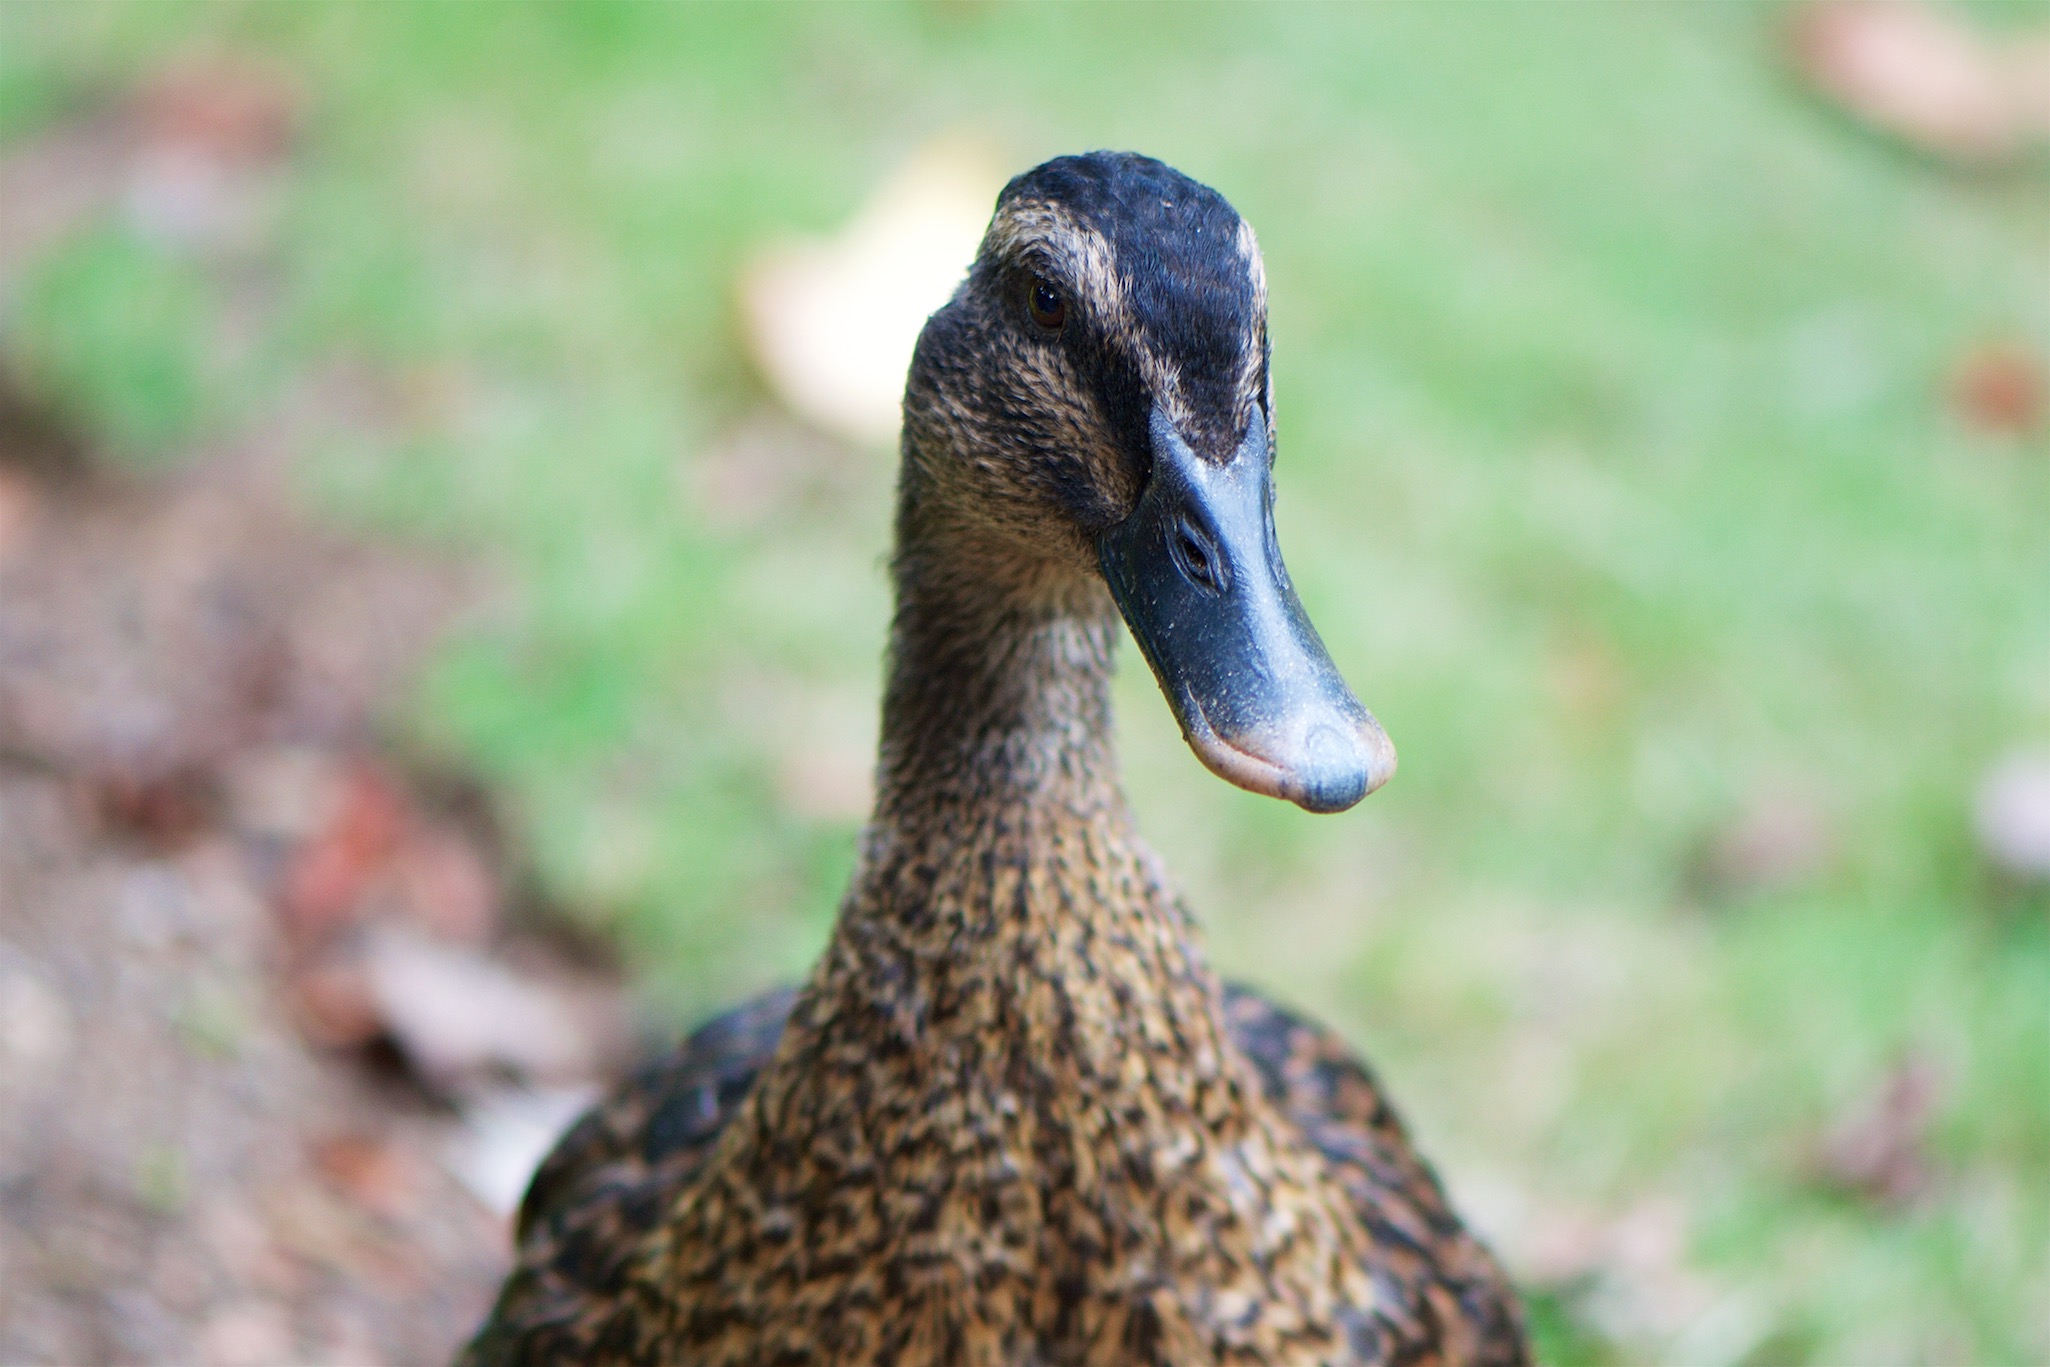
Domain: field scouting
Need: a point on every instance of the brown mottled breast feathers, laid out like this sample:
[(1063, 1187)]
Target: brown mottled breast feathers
[(618, 1168)]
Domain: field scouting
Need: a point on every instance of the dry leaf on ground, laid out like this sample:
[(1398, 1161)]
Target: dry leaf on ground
[(1928, 75), (832, 323), (1999, 388), (2013, 816), (1880, 1150)]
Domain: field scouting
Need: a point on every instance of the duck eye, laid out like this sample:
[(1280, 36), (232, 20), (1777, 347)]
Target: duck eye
[(1048, 309), (1195, 557)]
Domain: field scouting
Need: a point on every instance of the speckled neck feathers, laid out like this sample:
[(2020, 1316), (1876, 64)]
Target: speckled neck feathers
[(998, 689), (1006, 1106)]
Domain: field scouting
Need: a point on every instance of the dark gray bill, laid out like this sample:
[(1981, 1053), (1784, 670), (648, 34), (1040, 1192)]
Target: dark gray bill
[(1198, 575)]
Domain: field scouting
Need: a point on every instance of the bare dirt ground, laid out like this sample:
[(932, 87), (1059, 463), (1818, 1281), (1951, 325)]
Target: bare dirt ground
[(274, 1051), (188, 672)]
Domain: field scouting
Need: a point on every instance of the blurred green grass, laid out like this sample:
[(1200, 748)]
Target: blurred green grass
[(1617, 470)]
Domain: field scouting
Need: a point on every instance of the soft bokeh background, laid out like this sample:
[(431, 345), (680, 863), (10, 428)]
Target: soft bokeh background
[(1645, 462)]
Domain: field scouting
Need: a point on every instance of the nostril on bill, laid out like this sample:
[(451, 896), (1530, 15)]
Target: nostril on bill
[(1198, 562)]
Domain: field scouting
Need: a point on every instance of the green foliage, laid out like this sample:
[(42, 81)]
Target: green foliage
[(1618, 470), (1558, 1335), (115, 329)]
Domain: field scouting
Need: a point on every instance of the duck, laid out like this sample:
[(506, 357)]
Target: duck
[(1014, 1117)]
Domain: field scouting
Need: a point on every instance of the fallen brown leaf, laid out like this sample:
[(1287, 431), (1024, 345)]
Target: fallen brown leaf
[(448, 886), (249, 1333), (330, 873), (230, 108), (460, 1018), (334, 1004), (378, 1176), (1780, 839), (168, 810), (1999, 389), (1880, 1150), (20, 503), (1926, 75)]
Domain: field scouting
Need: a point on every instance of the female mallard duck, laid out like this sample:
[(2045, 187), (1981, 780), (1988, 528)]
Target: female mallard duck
[(1014, 1118)]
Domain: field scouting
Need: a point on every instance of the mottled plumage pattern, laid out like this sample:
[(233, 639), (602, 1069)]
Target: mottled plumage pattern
[(1013, 1119), (591, 1200), (1458, 1306), (652, 1135)]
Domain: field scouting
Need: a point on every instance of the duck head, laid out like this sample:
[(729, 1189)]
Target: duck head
[(1095, 403)]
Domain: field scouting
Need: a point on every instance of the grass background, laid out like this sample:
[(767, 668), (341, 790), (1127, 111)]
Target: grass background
[(1617, 470)]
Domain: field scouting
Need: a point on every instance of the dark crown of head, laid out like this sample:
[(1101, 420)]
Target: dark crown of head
[(1177, 247)]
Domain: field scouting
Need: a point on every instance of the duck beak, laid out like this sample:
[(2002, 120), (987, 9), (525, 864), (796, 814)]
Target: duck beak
[(1197, 573)]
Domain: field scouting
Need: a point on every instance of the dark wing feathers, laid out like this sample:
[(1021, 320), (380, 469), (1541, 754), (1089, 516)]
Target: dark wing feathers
[(613, 1174), (1464, 1308), (658, 1126), (609, 1180)]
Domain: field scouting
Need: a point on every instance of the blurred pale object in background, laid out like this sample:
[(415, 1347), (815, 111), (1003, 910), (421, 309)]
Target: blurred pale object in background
[(214, 131), (1930, 76), (506, 1133), (831, 323), (2014, 815)]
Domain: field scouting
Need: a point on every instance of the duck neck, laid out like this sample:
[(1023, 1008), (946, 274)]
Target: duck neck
[(1008, 1093), (1002, 857), (998, 696)]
